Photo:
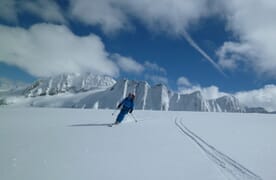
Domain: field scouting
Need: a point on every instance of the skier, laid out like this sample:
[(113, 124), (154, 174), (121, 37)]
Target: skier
[(126, 106)]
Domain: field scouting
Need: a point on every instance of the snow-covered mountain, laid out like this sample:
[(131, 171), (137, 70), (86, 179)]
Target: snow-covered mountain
[(68, 83), (188, 102), (225, 104), (103, 92), (153, 98), (257, 110)]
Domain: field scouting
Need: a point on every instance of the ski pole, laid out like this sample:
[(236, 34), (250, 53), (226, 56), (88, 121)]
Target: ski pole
[(133, 117)]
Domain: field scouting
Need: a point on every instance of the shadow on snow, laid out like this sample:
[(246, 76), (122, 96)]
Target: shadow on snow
[(87, 125)]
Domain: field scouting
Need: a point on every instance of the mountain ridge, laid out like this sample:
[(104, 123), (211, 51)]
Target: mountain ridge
[(103, 92)]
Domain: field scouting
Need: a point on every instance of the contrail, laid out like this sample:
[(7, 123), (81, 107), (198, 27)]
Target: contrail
[(204, 54)]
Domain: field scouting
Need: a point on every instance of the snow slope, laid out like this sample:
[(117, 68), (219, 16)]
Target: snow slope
[(69, 144)]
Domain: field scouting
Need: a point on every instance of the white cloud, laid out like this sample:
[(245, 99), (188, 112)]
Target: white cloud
[(231, 54), (155, 79), (128, 64), (255, 31), (45, 50), (253, 23), (106, 13), (45, 9), (170, 16), (155, 67), (183, 81), (155, 73), (211, 92), (186, 87), (264, 97)]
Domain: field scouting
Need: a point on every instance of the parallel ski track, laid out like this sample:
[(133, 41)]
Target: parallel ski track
[(231, 169)]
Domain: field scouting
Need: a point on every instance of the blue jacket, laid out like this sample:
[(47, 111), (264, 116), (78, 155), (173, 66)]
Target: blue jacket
[(127, 104)]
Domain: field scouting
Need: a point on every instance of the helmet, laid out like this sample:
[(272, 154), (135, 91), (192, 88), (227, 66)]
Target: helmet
[(131, 95)]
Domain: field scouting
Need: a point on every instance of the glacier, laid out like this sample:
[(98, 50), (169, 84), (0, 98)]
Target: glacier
[(103, 92)]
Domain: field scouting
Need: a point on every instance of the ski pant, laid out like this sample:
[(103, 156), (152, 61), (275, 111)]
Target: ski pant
[(121, 116)]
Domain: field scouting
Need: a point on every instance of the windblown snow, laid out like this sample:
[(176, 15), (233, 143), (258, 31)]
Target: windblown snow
[(69, 144)]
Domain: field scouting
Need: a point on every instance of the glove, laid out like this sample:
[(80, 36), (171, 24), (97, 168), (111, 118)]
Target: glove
[(118, 107), (130, 111)]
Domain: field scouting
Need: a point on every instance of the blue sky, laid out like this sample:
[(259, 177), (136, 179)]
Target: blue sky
[(188, 45)]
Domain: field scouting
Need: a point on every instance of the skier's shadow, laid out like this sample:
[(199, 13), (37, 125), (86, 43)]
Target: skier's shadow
[(93, 125)]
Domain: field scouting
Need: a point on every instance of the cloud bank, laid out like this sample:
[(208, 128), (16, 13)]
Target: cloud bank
[(254, 25), (46, 49), (157, 79), (170, 16), (128, 64), (115, 14), (264, 97), (250, 21), (155, 67), (210, 92), (183, 82), (155, 73)]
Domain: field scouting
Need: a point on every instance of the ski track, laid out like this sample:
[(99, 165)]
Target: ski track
[(231, 169)]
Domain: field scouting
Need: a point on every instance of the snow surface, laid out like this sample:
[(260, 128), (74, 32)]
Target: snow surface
[(65, 144)]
